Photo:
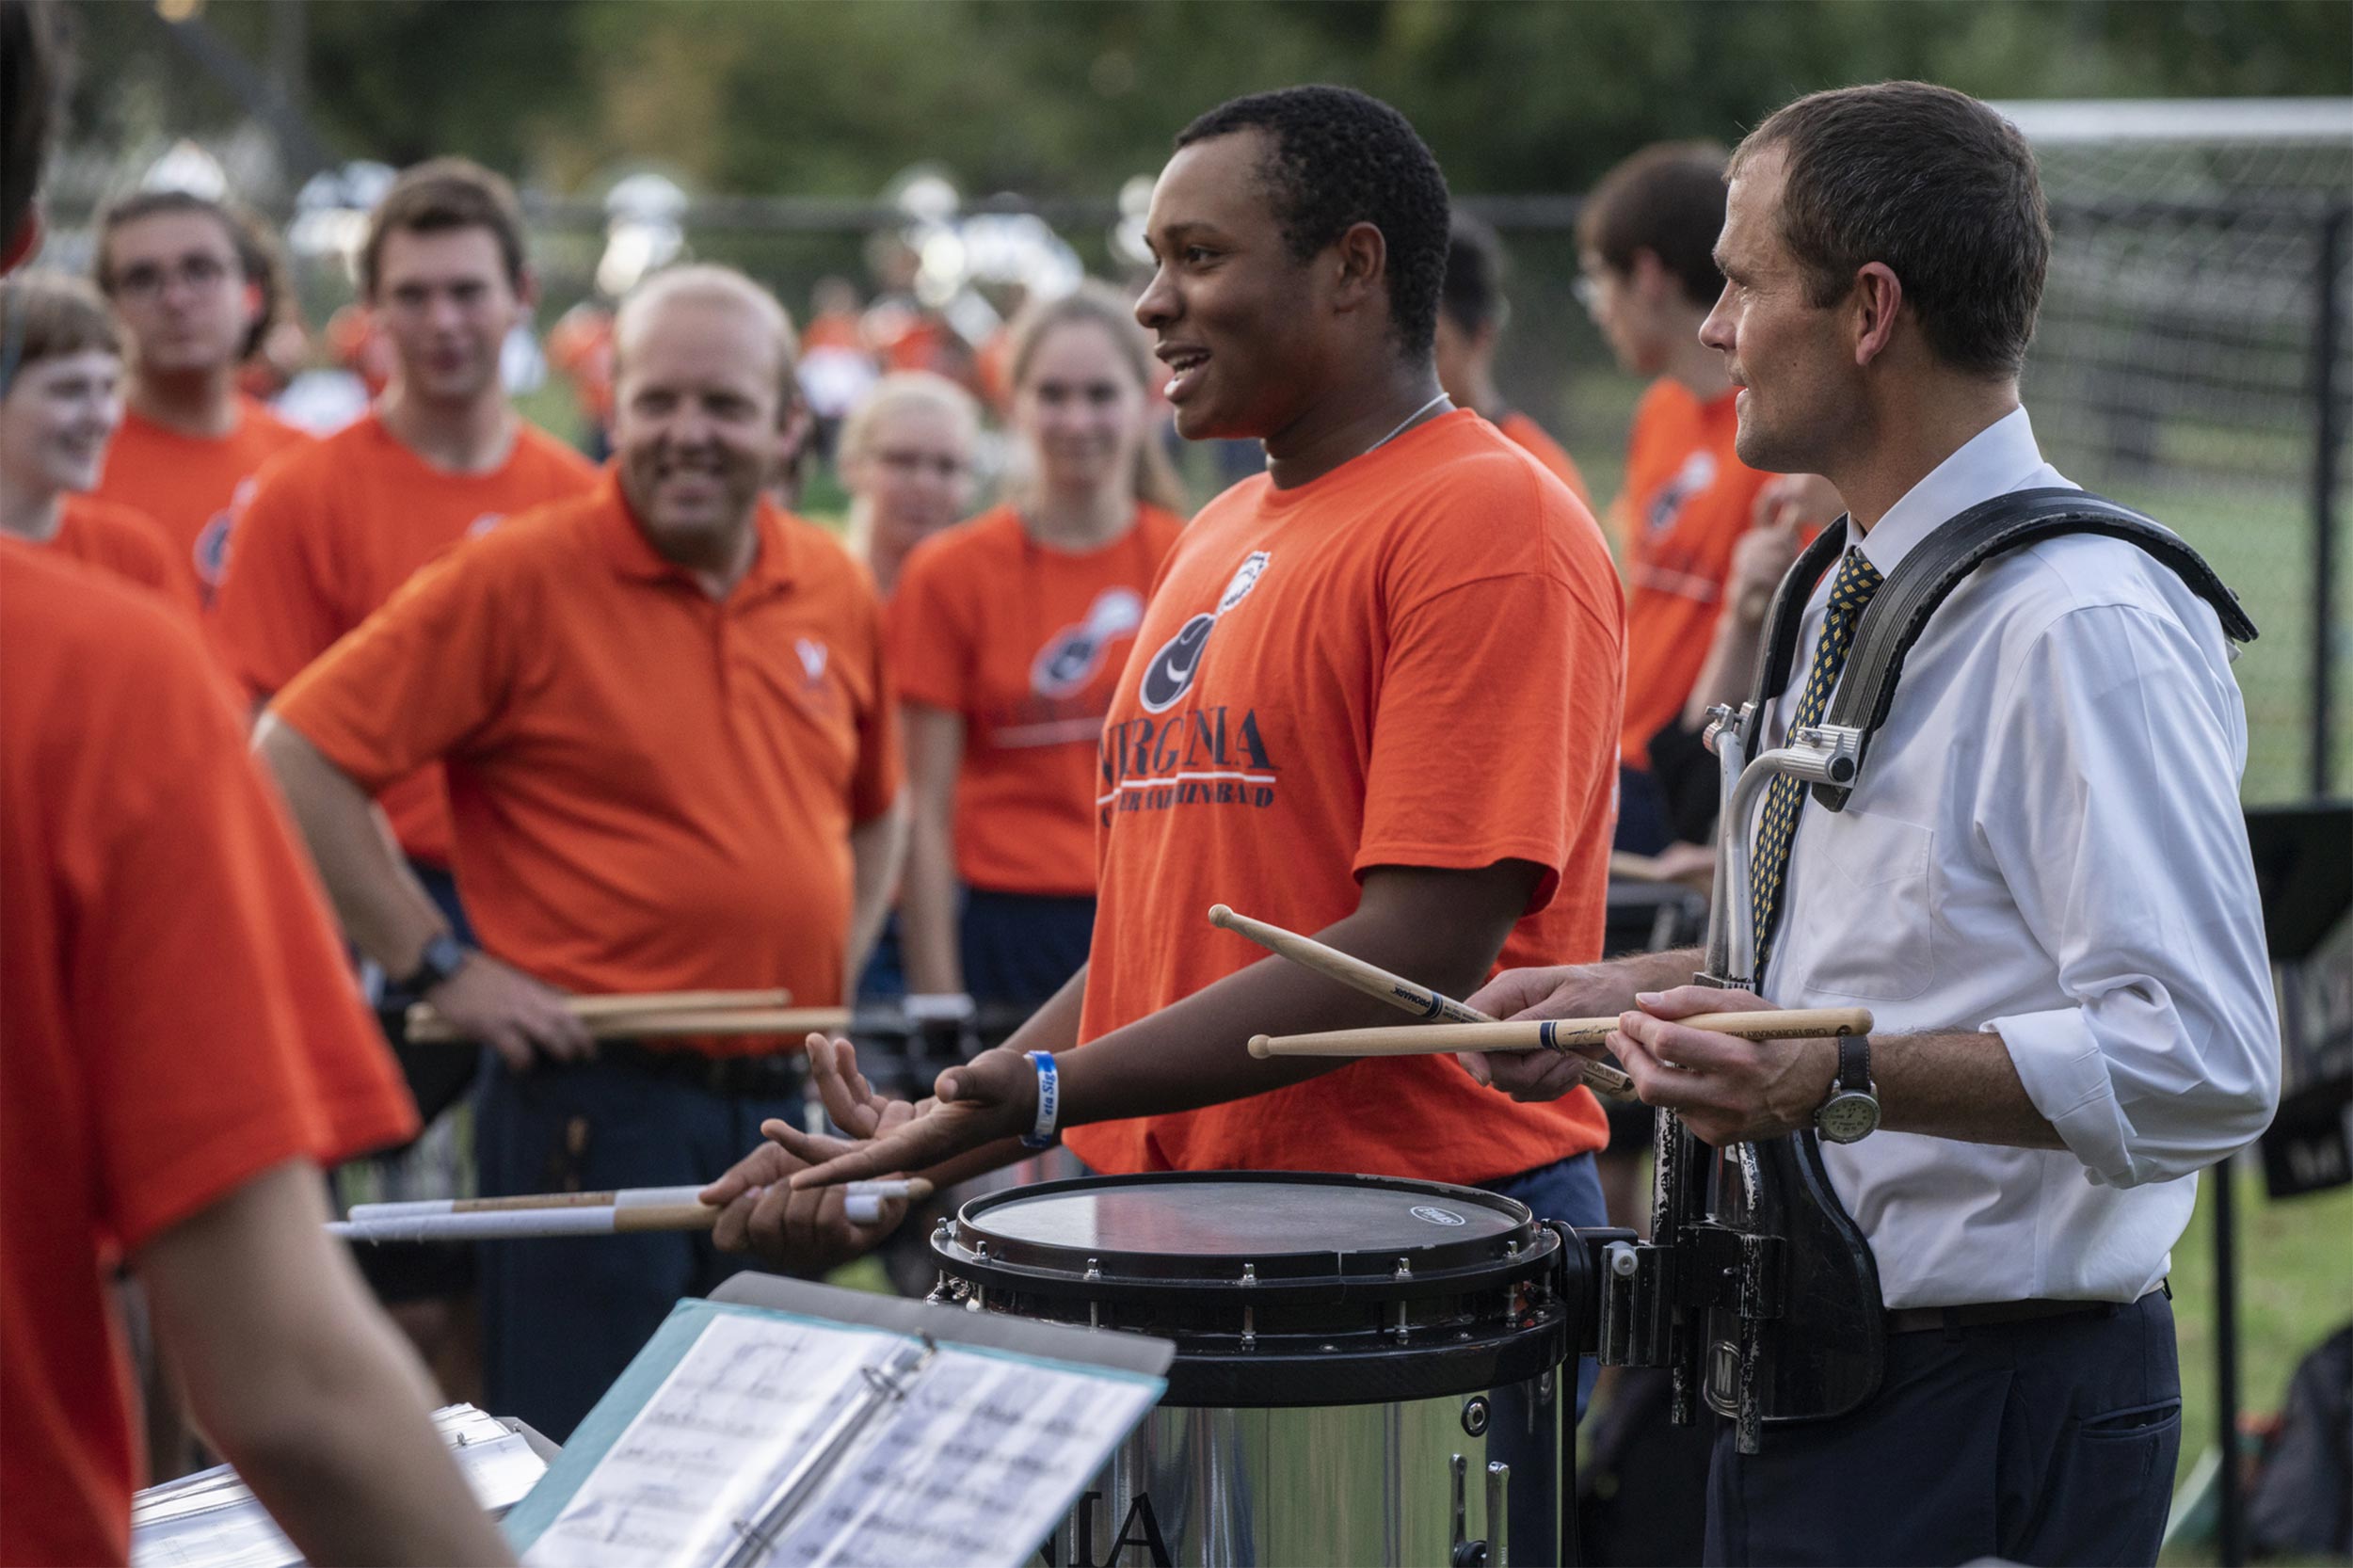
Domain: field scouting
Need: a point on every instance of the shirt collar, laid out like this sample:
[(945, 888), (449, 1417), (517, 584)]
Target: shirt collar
[(634, 556), (1994, 461)]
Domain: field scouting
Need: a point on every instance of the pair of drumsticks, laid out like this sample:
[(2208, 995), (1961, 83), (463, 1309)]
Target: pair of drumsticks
[(1466, 1028), (664, 1015), (618, 1212)]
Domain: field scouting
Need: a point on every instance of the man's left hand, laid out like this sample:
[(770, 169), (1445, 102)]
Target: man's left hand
[(1727, 1090)]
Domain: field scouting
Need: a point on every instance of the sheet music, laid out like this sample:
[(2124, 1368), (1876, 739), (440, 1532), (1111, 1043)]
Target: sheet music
[(974, 1467), (726, 1427)]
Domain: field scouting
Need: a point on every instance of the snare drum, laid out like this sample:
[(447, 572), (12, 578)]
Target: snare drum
[(1354, 1354)]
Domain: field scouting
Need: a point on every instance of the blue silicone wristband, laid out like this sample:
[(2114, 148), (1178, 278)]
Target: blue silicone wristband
[(1042, 1135)]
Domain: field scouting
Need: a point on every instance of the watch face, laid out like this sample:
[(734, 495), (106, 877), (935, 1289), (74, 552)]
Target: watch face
[(1847, 1118)]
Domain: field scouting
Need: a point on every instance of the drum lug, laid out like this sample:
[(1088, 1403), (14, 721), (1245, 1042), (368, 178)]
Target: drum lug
[(1490, 1552), (1095, 1308), (1249, 1313)]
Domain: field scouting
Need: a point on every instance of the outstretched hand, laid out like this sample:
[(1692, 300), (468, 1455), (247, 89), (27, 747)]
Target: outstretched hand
[(800, 1232), (1727, 1090), (990, 1098), (1566, 991)]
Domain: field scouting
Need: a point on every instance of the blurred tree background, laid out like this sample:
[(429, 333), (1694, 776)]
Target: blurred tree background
[(1061, 98)]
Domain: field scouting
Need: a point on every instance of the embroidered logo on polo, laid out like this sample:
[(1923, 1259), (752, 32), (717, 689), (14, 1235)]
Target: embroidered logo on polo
[(484, 523), (1073, 656), (1697, 472), (1169, 674), (813, 655)]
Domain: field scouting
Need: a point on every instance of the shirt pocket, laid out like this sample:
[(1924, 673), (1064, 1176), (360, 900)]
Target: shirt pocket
[(1880, 879)]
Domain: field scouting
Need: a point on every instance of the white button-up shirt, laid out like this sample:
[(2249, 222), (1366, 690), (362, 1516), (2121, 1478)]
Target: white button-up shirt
[(2045, 844)]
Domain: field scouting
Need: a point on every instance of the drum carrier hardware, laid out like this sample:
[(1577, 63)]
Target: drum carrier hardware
[(1756, 1289)]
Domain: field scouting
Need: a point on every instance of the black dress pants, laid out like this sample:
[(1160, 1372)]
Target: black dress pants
[(2051, 1441)]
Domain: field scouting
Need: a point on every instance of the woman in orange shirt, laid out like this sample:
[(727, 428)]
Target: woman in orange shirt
[(1007, 635), (906, 457)]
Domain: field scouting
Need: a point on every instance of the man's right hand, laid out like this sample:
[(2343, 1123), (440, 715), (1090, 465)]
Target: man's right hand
[(511, 1013), (1564, 991)]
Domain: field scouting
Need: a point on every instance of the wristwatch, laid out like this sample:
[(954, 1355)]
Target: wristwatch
[(442, 957), (1851, 1113)]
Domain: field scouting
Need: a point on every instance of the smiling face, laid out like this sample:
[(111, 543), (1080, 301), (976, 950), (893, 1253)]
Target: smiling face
[(1081, 407), (180, 290), (57, 420), (444, 302), (1234, 316), (1800, 398), (696, 399)]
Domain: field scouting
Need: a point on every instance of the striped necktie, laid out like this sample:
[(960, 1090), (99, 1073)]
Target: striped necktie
[(1850, 591)]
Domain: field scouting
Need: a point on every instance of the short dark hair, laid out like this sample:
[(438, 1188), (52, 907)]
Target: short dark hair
[(1932, 183), (438, 196), (1338, 158), (1473, 299), (1668, 200), (48, 315), (258, 257), (32, 78)]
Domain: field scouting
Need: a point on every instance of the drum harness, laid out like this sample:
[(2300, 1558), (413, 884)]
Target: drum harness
[(1756, 1289)]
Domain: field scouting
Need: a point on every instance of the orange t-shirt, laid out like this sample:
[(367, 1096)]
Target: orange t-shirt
[(124, 542), (176, 1016), (1686, 502), (1412, 660), (329, 533), (650, 792), (1548, 452), (1025, 643), (190, 485)]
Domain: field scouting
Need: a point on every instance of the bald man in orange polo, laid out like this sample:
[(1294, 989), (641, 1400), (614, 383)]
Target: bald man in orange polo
[(671, 762)]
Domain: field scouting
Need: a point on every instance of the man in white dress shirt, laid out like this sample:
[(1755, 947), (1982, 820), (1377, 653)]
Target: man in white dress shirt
[(2041, 886)]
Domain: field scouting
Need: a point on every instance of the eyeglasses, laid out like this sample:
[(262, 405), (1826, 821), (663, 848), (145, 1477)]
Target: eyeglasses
[(148, 280)]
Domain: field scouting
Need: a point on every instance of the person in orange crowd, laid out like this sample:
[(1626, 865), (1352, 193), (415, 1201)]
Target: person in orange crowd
[(1645, 238), (333, 531), (580, 347), (1472, 314), (906, 457), (1306, 727), (178, 1044), (177, 268), (672, 762), (60, 400), (837, 370), (1007, 635)]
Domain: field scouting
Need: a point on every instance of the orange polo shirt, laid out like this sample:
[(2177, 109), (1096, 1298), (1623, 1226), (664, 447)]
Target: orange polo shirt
[(649, 790), (1411, 661), (127, 544), (1548, 452), (191, 484), (330, 532), (1025, 643), (176, 1016), (1687, 499)]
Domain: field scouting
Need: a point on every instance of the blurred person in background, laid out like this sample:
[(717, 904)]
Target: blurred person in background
[(176, 1043), (330, 533), (909, 457), (580, 347), (837, 370), (673, 764), (1007, 635), (1472, 314), (1645, 237), (60, 400), (190, 281)]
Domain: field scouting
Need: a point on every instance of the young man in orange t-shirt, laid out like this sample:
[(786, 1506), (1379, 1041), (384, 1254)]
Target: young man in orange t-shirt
[(181, 271), (1375, 699), (672, 765), (1471, 317)]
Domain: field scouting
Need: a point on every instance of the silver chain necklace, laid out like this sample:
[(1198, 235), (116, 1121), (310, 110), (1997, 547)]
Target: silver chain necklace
[(1410, 421)]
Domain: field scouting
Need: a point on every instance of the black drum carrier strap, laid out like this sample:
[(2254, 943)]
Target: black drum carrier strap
[(1899, 611)]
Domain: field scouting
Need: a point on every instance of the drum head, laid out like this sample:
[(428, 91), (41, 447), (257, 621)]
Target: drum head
[(1215, 1218)]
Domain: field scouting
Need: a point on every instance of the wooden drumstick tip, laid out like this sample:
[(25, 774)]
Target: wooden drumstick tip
[(917, 1188), (1259, 1047), (1222, 916)]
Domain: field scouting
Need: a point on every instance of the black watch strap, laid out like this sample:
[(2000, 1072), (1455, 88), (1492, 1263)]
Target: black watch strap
[(1854, 1063), (442, 957)]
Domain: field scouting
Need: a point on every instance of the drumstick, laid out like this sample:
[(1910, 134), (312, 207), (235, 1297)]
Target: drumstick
[(914, 1189), (1553, 1033), (1396, 990), (645, 1005), (430, 1027), (861, 1206)]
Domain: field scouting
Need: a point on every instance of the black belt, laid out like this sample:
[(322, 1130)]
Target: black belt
[(778, 1076), (1920, 1319)]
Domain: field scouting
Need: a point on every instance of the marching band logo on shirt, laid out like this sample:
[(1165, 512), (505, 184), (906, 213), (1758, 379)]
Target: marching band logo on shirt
[(210, 554), (1169, 676), (1072, 656), (1697, 472), (813, 655), (484, 523)]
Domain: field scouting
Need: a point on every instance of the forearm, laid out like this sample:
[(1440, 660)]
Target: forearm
[(385, 912), (1730, 669), (928, 908), (876, 848), (1962, 1086)]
